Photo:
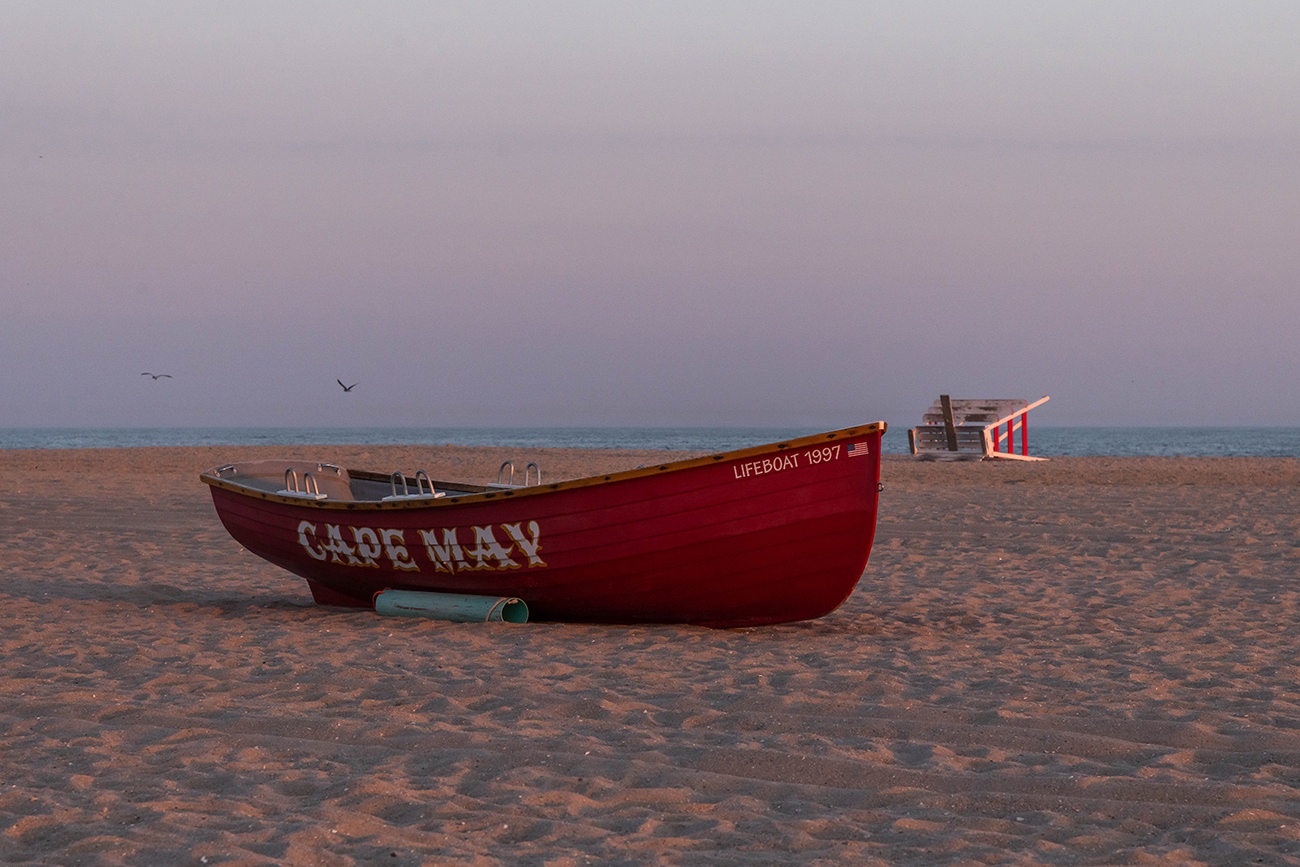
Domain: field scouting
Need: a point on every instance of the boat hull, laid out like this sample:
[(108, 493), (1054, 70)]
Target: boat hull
[(766, 535)]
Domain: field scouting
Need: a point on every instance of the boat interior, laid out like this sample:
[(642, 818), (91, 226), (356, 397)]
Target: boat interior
[(310, 480)]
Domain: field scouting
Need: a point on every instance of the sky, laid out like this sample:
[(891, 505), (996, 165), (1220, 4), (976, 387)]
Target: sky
[(804, 214)]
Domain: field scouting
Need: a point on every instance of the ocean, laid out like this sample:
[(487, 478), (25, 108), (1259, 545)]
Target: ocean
[(1044, 441)]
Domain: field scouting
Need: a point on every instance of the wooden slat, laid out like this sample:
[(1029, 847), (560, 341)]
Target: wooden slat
[(949, 424), (933, 438), (981, 411)]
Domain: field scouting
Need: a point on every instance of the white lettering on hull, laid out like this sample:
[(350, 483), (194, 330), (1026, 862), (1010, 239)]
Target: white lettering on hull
[(367, 546), (792, 461), (444, 557), (396, 551), (765, 466)]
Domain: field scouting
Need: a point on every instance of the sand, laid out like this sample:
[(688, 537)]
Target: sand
[(1082, 661)]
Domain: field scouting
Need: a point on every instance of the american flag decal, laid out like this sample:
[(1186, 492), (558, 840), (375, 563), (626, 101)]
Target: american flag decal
[(857, 450)]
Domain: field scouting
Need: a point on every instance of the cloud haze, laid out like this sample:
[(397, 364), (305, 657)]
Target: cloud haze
[(672, 213)]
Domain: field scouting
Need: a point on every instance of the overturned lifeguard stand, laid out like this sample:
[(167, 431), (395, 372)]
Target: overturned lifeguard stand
[(972, 430)]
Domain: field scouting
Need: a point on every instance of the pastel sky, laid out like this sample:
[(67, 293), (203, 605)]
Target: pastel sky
[(647, 213)]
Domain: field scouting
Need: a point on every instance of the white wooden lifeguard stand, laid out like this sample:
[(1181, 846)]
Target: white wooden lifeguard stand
[(972, 430)]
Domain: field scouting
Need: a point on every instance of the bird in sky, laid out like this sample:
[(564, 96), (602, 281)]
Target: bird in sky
[(347, 387), (157, 376)]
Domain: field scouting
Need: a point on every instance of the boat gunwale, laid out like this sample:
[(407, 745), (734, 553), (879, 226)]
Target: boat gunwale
[(210, 478)]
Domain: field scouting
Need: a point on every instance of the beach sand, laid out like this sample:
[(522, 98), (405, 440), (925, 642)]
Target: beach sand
[(1087, 660)]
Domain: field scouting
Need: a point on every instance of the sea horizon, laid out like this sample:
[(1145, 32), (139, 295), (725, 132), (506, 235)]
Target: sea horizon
[(1045, 441)]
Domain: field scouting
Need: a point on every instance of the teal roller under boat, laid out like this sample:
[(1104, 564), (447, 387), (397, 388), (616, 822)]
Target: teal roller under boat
[(458, 607)]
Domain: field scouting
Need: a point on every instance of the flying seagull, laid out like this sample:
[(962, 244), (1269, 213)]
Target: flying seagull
[(157, 376), (347, 387)]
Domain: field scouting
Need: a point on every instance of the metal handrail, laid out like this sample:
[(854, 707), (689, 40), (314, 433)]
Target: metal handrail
[(421, 480), (310, 487), (508, 481), (398, 474)]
